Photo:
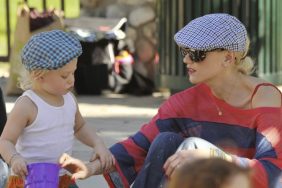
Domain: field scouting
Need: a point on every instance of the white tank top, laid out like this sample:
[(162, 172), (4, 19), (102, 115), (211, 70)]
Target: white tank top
[(52, 132)]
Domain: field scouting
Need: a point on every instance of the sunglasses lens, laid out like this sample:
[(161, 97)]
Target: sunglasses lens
[(195, 55), (198, 56)]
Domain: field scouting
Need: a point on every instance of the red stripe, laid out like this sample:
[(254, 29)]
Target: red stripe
[(248, 153), (259, 176), (123, 179), (150, 132), (109, 180), (136, 152)]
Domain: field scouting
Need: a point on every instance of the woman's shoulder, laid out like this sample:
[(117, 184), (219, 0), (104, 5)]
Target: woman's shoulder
[(264, 94), (192, 91), (189, 95)]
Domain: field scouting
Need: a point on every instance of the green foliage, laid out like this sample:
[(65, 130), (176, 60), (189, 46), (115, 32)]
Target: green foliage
[(71, 10)]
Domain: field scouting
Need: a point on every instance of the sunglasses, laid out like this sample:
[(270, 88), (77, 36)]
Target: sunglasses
[(196, 55)]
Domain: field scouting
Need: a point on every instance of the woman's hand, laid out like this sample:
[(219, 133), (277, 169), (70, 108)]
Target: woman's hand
[(184, 156), (105, 156), (18, 165), (79, 169)]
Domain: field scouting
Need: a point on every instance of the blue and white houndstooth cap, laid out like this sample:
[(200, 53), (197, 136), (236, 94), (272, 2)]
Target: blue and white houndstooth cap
[(213, 31), (50, 50)]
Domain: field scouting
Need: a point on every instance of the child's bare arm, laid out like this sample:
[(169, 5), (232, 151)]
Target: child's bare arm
[(18, 119), (21, 115), (90, 138), (83, 133), (81, 170)]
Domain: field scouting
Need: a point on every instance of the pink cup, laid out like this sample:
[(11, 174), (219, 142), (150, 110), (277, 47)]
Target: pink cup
[(42, 175)]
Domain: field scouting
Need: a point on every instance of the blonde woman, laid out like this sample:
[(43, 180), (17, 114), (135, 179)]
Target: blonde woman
[(228, 113)]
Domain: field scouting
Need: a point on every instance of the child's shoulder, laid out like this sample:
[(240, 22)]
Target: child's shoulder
[(24, 100), (24, 103), (24, 110), (72, 96)]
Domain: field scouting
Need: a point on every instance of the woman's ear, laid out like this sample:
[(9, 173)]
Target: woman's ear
[(228, 59)]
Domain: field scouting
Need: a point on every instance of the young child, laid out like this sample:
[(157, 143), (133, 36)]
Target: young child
[(212, 173), (45, 119)]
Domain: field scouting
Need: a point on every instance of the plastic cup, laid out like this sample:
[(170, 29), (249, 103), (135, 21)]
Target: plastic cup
[(42, 175)]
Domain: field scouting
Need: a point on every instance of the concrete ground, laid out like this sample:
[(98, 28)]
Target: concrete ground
[(113, 116)]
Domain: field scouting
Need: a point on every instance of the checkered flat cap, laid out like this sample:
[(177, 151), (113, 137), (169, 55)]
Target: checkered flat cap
[(50, 50), (213, 31)]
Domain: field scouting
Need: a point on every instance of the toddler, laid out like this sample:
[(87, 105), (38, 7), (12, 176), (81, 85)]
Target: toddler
[(45, 118)]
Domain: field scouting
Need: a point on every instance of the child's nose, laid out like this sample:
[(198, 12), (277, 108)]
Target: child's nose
[(71, 80)]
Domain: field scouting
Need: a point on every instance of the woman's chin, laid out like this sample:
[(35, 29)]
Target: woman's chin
[(193, 80)]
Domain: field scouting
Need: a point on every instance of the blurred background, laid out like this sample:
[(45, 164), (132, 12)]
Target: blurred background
[(128, 44)]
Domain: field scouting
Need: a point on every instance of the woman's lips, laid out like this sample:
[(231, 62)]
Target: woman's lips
[(191, 71)]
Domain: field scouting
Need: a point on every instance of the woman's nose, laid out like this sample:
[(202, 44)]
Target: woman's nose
[(187, 60)]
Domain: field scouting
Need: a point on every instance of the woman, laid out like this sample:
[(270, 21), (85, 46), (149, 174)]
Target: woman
[(227, 114)]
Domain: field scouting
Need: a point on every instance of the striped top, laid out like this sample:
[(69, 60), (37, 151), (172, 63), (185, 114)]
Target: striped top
[(253, 136)]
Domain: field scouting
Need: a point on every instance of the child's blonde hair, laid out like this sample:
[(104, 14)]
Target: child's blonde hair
[(28, 77)]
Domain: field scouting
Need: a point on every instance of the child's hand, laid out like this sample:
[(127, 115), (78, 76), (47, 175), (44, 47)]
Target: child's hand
[(18, 165), (105, 156), (79, 169)]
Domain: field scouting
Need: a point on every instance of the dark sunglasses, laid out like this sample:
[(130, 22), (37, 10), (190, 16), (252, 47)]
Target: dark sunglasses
[(196, 55)]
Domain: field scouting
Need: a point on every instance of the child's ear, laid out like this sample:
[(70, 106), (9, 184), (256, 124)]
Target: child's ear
[(38, 75), (39, 78)]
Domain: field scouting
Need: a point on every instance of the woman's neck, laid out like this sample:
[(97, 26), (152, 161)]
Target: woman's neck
[(232, 89), (223, 87)]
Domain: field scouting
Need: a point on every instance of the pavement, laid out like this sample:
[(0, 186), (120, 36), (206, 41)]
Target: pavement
[(113, 116)]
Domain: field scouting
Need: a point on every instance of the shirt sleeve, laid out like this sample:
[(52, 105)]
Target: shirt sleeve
[(130, 154), (266, 164)]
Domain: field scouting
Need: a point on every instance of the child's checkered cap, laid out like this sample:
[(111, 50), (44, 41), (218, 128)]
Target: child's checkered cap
[(50, 50), (213, 31)]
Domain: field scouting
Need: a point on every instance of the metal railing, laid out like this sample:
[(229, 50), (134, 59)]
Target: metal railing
[(263, 19)]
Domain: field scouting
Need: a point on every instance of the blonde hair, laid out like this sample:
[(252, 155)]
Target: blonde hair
[(210, 172), (244, 63), (28, 77)]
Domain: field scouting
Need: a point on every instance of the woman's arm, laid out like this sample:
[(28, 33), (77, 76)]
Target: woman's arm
[(267, 162), (130, 153)]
